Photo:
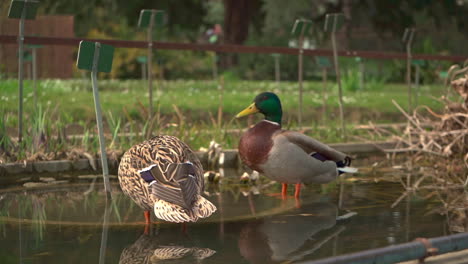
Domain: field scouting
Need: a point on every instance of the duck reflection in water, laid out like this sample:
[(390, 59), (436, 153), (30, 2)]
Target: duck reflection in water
[(288, 236), (157, 248)]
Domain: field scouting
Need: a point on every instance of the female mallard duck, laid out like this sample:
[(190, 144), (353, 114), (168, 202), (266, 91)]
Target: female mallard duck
[(164, 174), (153, 248), (286, 156)]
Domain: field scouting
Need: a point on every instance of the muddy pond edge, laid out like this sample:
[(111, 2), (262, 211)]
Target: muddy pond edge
[(230, 159)]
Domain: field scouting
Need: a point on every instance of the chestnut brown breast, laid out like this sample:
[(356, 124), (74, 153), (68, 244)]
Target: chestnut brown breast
[(256, 143)]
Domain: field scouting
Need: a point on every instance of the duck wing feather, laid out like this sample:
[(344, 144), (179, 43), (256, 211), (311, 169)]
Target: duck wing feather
[(310, 145)]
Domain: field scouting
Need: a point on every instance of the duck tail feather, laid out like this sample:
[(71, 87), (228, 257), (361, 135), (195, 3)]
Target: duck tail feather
[(203, 208), (166, 211), (173, 213)]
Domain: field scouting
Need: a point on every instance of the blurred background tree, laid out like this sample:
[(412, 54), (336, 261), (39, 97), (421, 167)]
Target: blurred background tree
[(370, 25)]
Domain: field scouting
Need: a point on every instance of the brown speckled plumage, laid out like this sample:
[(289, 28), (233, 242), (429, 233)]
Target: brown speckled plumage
[(161, 150), (154, 248)]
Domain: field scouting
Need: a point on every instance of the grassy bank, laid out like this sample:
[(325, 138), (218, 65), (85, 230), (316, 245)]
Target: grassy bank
[(187, 109), (196, 98)]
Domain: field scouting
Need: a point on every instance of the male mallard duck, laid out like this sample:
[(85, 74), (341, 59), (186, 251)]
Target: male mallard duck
[(286, 156), (164, 174), (285, 237)]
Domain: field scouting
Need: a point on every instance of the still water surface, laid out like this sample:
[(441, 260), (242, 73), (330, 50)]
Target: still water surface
[(71, 224)]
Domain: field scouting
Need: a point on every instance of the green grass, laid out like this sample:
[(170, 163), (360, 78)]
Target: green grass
[(188, 109), (74, 97)]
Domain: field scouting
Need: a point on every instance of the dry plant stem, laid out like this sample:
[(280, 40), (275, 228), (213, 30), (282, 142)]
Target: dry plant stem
[(443, 188), (180, 116), (375, 129), (398, 145), (399, 199), (419, 181), (456, 73), (466, 180), (406, 115), (212, 119), (149, 130), (403, 183), (459, 121), (158, 118), (447, 137), (448, 80)]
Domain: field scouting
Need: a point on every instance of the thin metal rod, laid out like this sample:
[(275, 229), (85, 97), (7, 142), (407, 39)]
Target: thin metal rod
[(409, 41), (143, 71), (300, 63), (150, 66), (215, 66), (34, 76), (340, 89), (361, 77), (20, 234), (104, 234), (277, 71), (29, 71), (97, 105), (408, 217), (221, 99), (21, 73), (416, 96), (221, 217), (324, 94), (402, 252), (408, 75), (341, 197)]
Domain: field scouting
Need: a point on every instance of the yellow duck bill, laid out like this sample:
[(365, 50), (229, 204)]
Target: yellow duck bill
[(251, 109)]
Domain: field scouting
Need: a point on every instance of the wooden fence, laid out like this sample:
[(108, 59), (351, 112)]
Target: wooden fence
[(62, 59), (54, 61)]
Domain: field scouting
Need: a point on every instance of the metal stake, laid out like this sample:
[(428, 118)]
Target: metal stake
[(324, 94), (361, 77), (301, 52), (143, 71), (34, 76), (338, 80), (215, 65), (104, 234), (149, 65), (102, 144), (408, 39), (20, 72), (277, 70), (417, 85), (301, 26), (408, 77)]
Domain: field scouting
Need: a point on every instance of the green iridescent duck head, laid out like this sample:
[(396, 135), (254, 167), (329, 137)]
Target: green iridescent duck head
[(266, 103)]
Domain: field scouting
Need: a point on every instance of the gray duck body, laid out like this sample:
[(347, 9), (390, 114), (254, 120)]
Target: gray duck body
[(285, 156)]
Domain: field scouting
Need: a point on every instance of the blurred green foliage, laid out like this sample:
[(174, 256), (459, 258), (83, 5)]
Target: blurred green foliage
[(442, 28)]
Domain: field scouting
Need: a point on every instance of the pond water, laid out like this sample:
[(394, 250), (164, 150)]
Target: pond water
[(72, 224)]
